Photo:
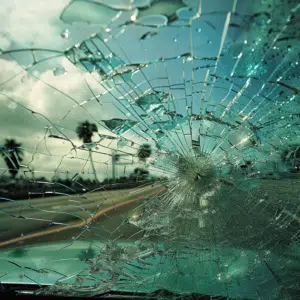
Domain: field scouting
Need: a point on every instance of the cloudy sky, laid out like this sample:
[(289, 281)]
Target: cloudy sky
[(36, 24), (55, 99)]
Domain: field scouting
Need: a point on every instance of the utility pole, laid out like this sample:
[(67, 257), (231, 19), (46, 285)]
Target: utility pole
[(32, 173), (115, 160)]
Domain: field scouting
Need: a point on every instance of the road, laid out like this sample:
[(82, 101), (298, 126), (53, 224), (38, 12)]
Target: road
[(63, 218), (41, 220)]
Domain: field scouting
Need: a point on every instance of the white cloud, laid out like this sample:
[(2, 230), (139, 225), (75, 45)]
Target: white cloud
[(35, 95), (29, 23), (35, 23)]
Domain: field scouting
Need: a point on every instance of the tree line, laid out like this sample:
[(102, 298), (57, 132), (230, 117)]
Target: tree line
[(13, 155)]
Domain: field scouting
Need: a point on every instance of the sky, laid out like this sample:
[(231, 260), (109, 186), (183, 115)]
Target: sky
[(37, 24)]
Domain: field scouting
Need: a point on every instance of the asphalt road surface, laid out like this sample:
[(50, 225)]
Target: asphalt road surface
[(102, 215), (62, 218)]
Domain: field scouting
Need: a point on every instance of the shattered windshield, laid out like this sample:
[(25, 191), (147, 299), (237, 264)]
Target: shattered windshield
[(150, 145)]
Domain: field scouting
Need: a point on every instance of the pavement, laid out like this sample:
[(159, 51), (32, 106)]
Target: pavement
[(102, 215), (35, 219)]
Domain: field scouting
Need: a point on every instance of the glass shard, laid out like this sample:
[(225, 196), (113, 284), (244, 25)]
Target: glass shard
[(119, 126)]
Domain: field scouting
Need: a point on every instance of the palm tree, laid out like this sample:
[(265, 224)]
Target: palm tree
[(144, 152), (13, 156), (140, 173), (85, 131)]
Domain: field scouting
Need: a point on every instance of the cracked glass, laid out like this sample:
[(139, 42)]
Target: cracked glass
[(150, 147)]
